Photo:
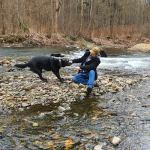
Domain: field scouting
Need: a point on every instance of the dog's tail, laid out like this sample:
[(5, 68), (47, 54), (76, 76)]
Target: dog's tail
[(21, 65)]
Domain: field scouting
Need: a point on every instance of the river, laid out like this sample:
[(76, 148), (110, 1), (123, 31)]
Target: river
[(92, 121)]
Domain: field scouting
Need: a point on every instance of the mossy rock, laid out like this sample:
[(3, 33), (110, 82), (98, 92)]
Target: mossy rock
[(82, 45)]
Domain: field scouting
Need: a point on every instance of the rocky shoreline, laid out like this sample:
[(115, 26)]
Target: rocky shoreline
[(41, 40), (20, 88)]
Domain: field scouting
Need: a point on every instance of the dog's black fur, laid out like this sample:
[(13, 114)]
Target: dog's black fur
[(38, 63)]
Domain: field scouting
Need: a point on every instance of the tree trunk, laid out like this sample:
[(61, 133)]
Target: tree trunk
[(90, 22), (81, 17), (2, 15), (113, 19), (56, 16)]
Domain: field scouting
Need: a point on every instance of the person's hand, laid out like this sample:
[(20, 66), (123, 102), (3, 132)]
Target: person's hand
[(70, 61), (77, 68)]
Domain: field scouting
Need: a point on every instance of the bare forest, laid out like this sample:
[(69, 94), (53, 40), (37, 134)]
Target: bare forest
[(84, 18)]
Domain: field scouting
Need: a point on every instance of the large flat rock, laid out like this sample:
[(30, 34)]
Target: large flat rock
[(140, 48)]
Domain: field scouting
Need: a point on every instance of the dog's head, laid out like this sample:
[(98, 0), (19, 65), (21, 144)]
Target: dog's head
[(65, 63)]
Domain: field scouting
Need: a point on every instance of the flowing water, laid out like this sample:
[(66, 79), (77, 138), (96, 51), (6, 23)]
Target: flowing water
[(90, 122)]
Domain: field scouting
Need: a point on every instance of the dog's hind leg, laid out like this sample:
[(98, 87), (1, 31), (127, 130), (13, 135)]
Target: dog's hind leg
[(39, 72)]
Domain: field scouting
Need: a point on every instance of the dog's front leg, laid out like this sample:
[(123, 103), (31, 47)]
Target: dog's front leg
[(58, 76)]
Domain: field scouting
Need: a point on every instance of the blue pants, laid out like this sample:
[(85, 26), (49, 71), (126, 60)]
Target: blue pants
[(87, 79)]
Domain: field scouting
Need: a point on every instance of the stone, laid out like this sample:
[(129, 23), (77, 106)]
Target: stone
[(20, 77), (35, 124), (61, 109), (142, 47), (98, 147), (25, 104), (27, 88), (115, 140), (74, 85), (129, 81), (4, 61), (21, 109), (41, 116)]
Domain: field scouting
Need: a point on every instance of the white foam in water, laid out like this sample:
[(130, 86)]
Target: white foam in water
[(129, 63)]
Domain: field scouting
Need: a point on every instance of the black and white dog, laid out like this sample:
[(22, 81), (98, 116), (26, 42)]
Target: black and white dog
[(36, 64)]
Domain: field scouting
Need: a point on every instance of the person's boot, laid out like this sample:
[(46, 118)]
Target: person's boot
[(89, 90)]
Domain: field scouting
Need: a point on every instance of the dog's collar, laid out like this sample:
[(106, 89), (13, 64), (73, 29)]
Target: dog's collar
[(60, 62)]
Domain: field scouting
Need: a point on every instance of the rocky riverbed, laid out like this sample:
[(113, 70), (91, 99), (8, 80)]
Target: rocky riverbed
[(21, 88), (38, 115)]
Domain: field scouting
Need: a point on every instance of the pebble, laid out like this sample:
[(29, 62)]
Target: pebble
[(98, 147), (25, 104), (35, 124), (61, 109), (116, 140), (21, 109)]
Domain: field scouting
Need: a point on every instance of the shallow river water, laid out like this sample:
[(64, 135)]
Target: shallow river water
[(90, 122)]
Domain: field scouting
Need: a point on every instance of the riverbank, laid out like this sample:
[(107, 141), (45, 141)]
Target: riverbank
[(38, 40)]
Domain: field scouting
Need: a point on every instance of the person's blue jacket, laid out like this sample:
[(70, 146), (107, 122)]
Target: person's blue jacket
[(90, 65)]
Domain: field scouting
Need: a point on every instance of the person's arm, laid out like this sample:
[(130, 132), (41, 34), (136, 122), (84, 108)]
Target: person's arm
[(79, 60), (92, 66)]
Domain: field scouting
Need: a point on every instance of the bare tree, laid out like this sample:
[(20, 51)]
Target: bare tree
[(2, 15)]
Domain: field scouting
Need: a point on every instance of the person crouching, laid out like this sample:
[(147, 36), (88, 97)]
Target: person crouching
[(87, 70)]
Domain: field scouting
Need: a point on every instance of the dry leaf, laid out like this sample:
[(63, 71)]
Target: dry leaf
[(94, 118), (49, 144), (68, 143), (55, 136), (21, 130), (49, 132), (103, 126)]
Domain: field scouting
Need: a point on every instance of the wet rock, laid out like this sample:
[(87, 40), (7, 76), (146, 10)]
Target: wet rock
[(61, 109), (115, 140), (4, 61), (22, 93), (129, 81), (74, 85), (112, 91), (142, 47), (24, 99), (35, 124), (103, 53), (41, 116), (83, 94), (27, 88), (82, 85), (21, 109), (5, 65), (25, 104), (98, 147), (2, 133), (20, 77), (28, 122)]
